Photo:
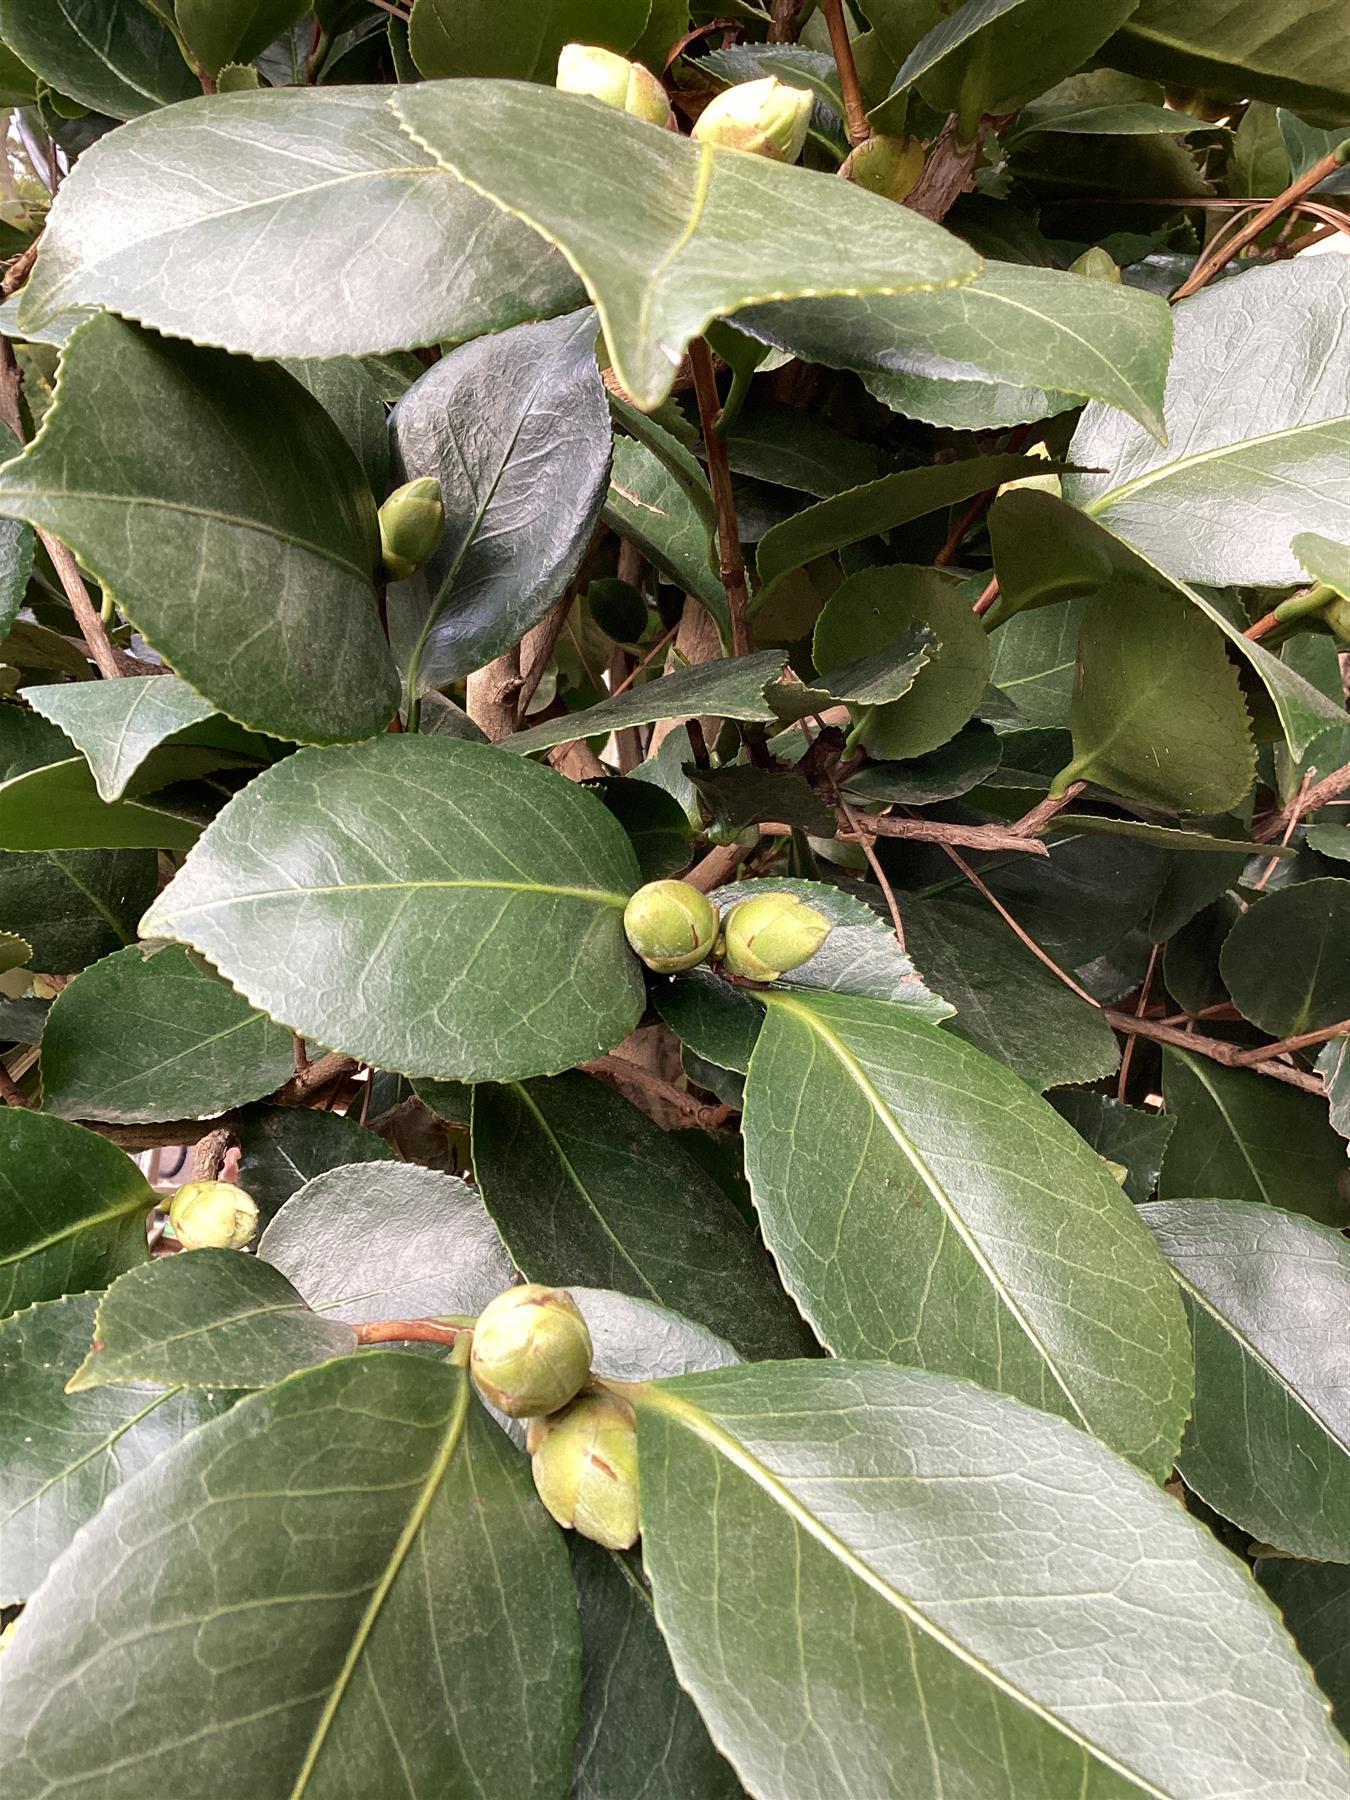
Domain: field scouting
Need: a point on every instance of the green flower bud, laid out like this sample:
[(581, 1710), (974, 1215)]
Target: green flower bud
[(585, 1469), (771, 934), (1097, 264), (586, 69), (213, 1215), (411, 522), (531, 1351), (670, 925), (885, 165), (767, 118)]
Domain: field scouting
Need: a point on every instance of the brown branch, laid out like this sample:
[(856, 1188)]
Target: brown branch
[(1213, 1048), (632, 1079), (1208, 266), (1040, 815), (210, 1151), (1019, 931), (537, 647), (986, 599), (782, 21), (874, 863), (315, 1075), (855, 111), (717, 868), (410, 1331), (107, 660), (1283, 822), (948, 168), (1301, 1041), (937, 831), (730, 560), (11, 1093), (490, 695), (1123, 1078)]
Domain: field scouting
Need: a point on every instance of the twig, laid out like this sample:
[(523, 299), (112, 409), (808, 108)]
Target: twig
[(315, 1075), (210, 1151), (1123, 1079), (874, 863), (17, 271), (978, 506), (937, 831), (1302, 1041), (1304, 802), (1213, 1048), (395, 12), (490, 695), (11, 1093), (1208, 266), (1024, 936), (300, 1053), (784, 16), (1274, 862), (621, 1073), (730, 560), (105, 657), (1030, 824), (855, 111), (986, 599), (410, 1331), (949, 167)]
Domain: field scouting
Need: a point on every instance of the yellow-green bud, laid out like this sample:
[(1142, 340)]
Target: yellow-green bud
[(767, 118), (1097, 264), (670, 925), (585, 1469), (411, 522), (771, 934), (213, 1215), (885, 165), (587, 69), (531, 1351)]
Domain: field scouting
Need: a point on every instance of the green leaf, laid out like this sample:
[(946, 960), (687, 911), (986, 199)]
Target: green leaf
[(16, 548), (685, 256), (118, 725), (1007, 1003), (1021, 1263), (803, 1528), (1157, 713), (222, 31), (206, 1319), (798, 450), (1050, 334), (1103, 103), (137, 1038), (314, 228), (357, 1557), (1327, 561), (75, 905), (350, 394), (584, 1188), (655, 824), (58, 808), (365, 933), (730, 688), (475, 37), (942, 774), (1268, 1443), (1314, 1600), (739, 794), (367, 1241), (516, 430), (1258, 419), (234, 526), (653, 509), (870, 611), (113, 55), (283, 1147), (15, 951), (74, 1209), (1122, 1134), (1333, 1065), (1285, 961), (62, 1454), (1033, 659), (1249, 1138), (872, 680), (637, 1340)]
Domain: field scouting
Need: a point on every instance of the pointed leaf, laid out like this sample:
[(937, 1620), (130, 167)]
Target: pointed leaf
[(1287, 51), (649, 506), (58, 808), (1286, 962), (1122, 1134), (113, 55), (223, 31)]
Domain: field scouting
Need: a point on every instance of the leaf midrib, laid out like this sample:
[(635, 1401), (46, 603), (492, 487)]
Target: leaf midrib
[(1165, 471), (599, 895)]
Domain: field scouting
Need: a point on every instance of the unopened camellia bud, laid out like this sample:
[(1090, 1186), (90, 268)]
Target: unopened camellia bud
[(767, 936), (670, 925), (585, 1468), (587, 69), (767, 118), (885, 165), (213, 1215), (1097, 264), (531, 1351), (411, 522)]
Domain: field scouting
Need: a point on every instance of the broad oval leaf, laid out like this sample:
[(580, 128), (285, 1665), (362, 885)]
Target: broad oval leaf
[(1258, 419), (1268, 1441), (925, 1206), (569, 166), (160, 1037), (302, 223), (1286, 51), (1286, 962), (283, 1147), (224, 31), (234, 526), (113, 55), (807, 1529), (72, 1209), (350, 1558), (452, 37), (637, 1340), (399, 929), (62, 1454)]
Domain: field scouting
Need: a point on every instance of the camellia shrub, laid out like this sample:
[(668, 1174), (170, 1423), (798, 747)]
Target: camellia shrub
[(674, 912)]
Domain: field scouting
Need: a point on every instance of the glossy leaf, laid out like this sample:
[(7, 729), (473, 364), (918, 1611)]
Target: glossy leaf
[(1314, 1601), (313, 228), (1268, 1442), (283, 1147), (585, 1189), (74, 1209), (843, 1493), (62, 1454), (75, 905), (1102, 103), (1287, 51), (1122, 1134), (946, 773), (649, 506), (685, 257), (925, 1206), (1258, 417), (449, 38), (58, 808), (1286, 962), (637, 1340), (373, 1505), (230, 484), (365, 936), (113, 55), (516, 431)]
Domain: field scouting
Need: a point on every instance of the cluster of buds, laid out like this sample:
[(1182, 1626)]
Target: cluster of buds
[(672, 926), (587, 69), (531, 1359), (213, 1215)]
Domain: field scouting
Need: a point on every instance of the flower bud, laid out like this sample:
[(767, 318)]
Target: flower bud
[(213, 1215), (767, 118), (670, 925), (531, 1351), (1097, 264), (585, 1469), (885, 165), (771, 934), (586, 69), (411, 522)]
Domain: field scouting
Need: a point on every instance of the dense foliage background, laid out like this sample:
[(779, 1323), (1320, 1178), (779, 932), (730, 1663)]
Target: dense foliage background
[(960, 547)]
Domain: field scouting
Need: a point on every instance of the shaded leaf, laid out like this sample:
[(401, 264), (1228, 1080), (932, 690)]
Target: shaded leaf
[(731, 688), (740, 794), (871, 680), (1333, 1065), (649, 506), (1286, 962), (1314, 1601), (1102, 103), (75, 905), (942, 774), (655, 823), (1122, 1134), (1287, 50), (449, 37), (57, 807), (113, 55), (283, 1147), (350, 394), (223, 31), (1033, 660)]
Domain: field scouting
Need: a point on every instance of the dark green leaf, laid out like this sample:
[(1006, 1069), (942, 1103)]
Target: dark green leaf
[(113, 55), (655, 823), (356, 1556), (1122, 1134), (1286, 962), (1333, 1065), (731, 688), (74, 1209), (476, 37), (349, 393), (1034, 661), (943, 774), (1020, 1263), (224, 31), (798, 450), (364, 933), (1103, 103), (1314, 1600), (16, 549), (58, 808), (649, 506), (283, 1147), (716, 1021), (871, 680), (75, 905), (740, 794)]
